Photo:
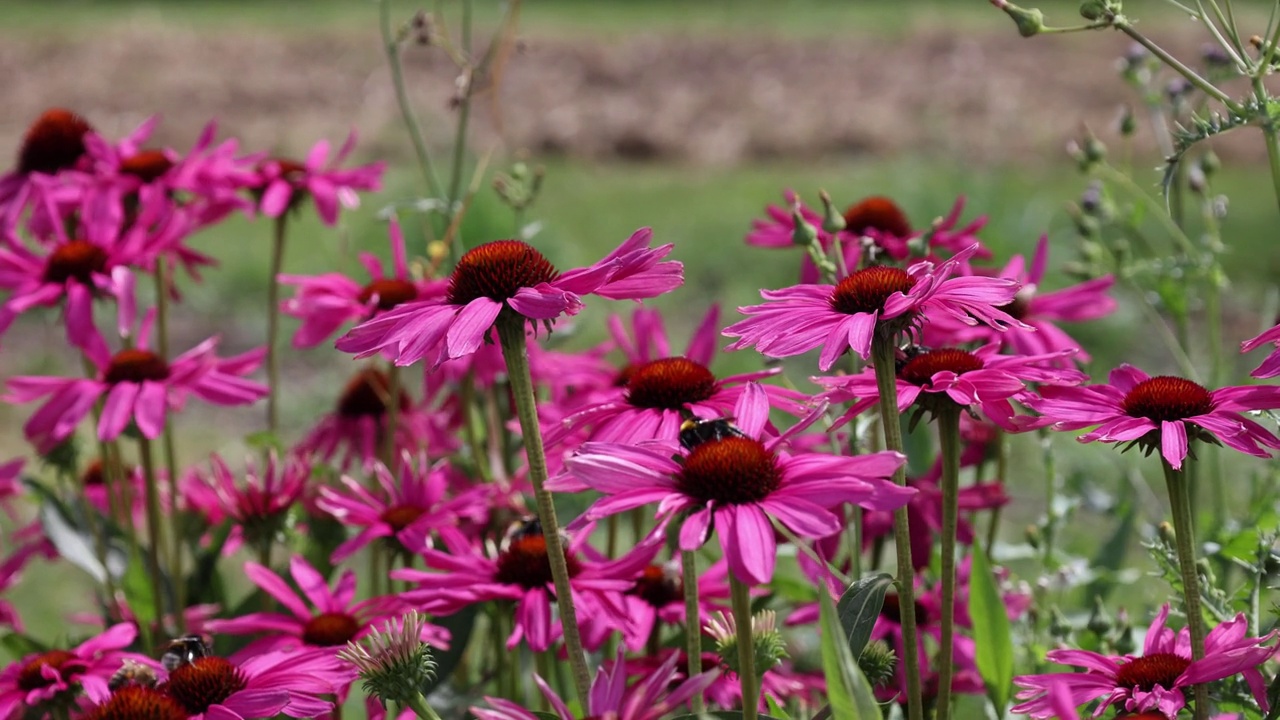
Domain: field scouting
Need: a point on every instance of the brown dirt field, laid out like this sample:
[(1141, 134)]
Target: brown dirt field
[(980, 97)]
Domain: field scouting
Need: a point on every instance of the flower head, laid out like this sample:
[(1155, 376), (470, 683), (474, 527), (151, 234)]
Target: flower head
[(735, 484), (508, 276), (395, 662), (261, 687), (286, 183), (1270, 366), (1155, 680), (1162, 412), (258, 505), (878, 298), (57, 676)]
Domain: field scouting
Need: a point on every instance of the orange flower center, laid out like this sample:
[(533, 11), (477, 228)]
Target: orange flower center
[(402, 516), (31, 676), (329, 629), (203, 682), (669, 384), (1148, 671), (866, 290), (525, 563), (732, 470), (78, 259), (366, 395), (134, 702), (1165, 397), (134, 365), (54, 142), (920, 369), (657, 587), (879, 214), (147, 165), (390, 291), (497, 270)]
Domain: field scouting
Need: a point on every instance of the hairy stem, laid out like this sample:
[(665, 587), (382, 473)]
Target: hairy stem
[(155, 529), (740, 597), (170, 457), (692, 621), (948, 420), (883, 355), (1180, 501), (1176, 65), (511, 329)]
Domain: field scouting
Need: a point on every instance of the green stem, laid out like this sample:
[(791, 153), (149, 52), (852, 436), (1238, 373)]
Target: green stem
[(1180, 501), (740, 597), (155, 529), (170, 458), (692, 621), (273, 324), (883, 356), (420, 707), (1270, 136), (1205, 86), (1051, 486), (392, 48), (511, 335), (948, 420)]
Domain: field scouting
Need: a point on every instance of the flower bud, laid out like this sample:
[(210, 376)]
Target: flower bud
[(1099, 621), (766, 640), (1165, 531), (1128, 124), (1033, 536), (1059, 627), (803, 234), (832, 219), (1093, 10), (1030, 22), (878, 663)]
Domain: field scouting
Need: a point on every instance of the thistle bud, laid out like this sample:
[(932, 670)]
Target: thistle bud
[(1030, 21), (1124, 644), (878, 663), (766, 640), (393, 663), (1128, 124), (1165, 532), (1093, 10), (1099, 621), (832, 219), (802, 234), (1059, 627)]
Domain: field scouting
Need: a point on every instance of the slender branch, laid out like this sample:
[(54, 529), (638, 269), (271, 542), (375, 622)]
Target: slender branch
[(170, 456), (392, 48), (511, 335), (1192, 77), (883, 355)]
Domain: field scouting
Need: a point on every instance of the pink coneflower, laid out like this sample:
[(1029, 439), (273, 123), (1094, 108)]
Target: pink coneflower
[(286, 183), (325, 302), (981, 380), (845, 316), (137, 386), (877, 219), (655, 392), (735, 485), (257, 505), (1270, 367), (56, 676), (357, 425), (260, 687), (521, 573), (1164, 411), (410, 508), (650, 699), (1041, 311), (332, 619), (1154, 680), (510, 275), (53, 143)]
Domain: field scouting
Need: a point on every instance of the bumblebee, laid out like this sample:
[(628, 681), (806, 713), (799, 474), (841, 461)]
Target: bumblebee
[(695, 431), (184, 650), (132, 673)]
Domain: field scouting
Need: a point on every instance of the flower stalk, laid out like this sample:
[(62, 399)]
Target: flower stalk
[(511, 335), (1180, 502), (740, 598), (692, 629), (883, 357), (273, 324), (155, 529), (948, 421)]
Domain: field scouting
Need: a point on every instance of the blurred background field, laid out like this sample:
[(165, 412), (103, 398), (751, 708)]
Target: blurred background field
[(688, 116)]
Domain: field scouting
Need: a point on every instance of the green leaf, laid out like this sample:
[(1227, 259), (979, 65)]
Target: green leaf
[(859, 607), (775, 708), (991, 632), (136, 585), (848, 691), (75, 546)]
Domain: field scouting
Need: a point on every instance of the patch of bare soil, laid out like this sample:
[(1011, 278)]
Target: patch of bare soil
[(979, 97)]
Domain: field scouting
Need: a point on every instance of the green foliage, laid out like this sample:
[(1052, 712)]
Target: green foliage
[(992, 635), (848, 691), (859, 608)]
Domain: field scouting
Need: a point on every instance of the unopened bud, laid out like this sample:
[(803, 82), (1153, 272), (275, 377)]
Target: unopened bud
[(1125, 644), (1093, 10), (1165, 531), (802, 233), (878, 663), (1128, 124), (1059, 627), (832, 219), (1205, 571), (1030, 21), (1099, 621), (1033, 536)]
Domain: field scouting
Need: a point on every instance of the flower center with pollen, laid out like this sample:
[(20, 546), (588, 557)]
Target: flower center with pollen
[(1165, 397), (732, 470), (1148, 671), (497, 270), (401, 516), (55, 142), (330, 629), (669, 384), (920, 369), (390, 291), (147, 165), (366, 395), (134, 365), (78, 259), (203, 682), (878, 214), (31, 676), (134, 702), (657, 587), (866, 290), (525, 563)]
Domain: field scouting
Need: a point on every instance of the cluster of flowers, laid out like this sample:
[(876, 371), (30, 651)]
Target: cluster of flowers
[(639, 425)]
